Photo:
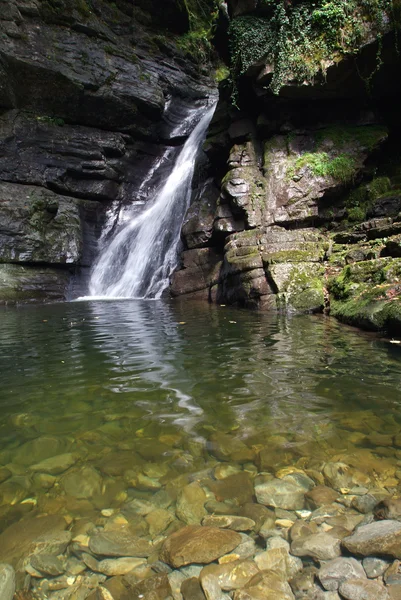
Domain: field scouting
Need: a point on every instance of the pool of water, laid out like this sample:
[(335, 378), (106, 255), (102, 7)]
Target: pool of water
[(146, 393)]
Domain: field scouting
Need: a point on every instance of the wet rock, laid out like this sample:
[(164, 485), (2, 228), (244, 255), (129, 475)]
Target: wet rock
[(223, 470), (389, 508), (246, 549), (230, 576), (56, 464), (38, 534), (374, 567), (4, 474), (147, 484), (279, 561), (364, 504), (84, 482), (380, 538), (7, 582), (265, 586), (119, 543), (319, 496), (118, 566), (236, 488), (158, 521), (303, 582), (235, 523), (320, 546), (342, 476), (258, 513), (226, 447), (48, 564), (195, 544), (392, 576), (39, 449), (360, 589), (191, 589), (191, 504), (335, 572), (156, 587), (280, 493)]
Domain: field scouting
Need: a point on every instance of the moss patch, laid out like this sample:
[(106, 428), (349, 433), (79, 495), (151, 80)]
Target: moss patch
[(368, 294)]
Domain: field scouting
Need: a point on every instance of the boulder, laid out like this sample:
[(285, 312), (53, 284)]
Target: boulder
[(120, 542), (190, 506), (321, 546), (333, 573), (7, 582), (44, 534), (382, 538), (281, 493), (195, 544), (363, 589)]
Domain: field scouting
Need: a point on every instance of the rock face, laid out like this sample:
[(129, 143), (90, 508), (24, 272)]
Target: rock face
[(83, 116), (303, 196)]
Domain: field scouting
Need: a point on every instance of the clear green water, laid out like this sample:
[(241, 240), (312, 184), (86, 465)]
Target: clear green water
[(118, 377)]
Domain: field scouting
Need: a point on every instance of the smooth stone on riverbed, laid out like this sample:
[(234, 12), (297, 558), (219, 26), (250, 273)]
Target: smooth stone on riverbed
[(280, 493), (120, 542), (335, 572), (227, 577), (320, 496), (118, 566), (56, 464), (363, 589), (228, 448), (374, 567), (191, 589), (84, 482), (45, 534), (48, 564), (265, 586), (380, 538), (229, 522), (191, 504), (7, 582), (321, 546), (196, 544), (280, 561), (156, 587)]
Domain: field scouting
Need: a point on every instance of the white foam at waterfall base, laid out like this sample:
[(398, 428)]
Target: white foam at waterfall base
[(139, 260)]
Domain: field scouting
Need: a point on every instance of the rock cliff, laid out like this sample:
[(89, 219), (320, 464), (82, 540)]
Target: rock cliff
[(301, 211), (89, 93)]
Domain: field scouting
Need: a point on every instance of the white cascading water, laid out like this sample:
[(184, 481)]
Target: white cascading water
[(139, 260)]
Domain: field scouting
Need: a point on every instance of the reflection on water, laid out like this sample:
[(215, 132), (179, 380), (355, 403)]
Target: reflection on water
[(100, 377)]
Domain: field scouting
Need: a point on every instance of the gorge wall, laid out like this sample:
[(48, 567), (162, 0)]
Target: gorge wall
[(89, 95), (297, 199), (301, 208)]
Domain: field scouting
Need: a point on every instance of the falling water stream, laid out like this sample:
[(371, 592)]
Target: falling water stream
[(140, 258)]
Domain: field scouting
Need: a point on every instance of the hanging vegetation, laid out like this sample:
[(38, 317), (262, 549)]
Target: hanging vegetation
[(299, 40)]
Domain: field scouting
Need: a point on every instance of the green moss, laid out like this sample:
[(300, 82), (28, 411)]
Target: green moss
[(341, 168), (361, 199), (368, 136), (299, 38)]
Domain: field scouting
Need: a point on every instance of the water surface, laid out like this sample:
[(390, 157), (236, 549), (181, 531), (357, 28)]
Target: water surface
[(116, 376)]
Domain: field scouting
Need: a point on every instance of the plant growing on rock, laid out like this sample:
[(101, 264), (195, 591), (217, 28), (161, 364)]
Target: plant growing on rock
[(299, 41)]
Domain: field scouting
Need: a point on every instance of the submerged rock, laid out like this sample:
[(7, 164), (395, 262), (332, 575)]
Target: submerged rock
[(7, 582), (281, 493), (381, 538), (195, 544)]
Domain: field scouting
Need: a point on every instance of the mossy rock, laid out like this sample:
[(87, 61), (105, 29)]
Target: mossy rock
[(367, 294), (306, 253), (300, 287)]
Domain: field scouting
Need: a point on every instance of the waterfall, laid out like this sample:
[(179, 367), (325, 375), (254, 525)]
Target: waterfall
[(139, 260)]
